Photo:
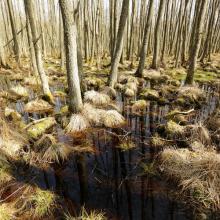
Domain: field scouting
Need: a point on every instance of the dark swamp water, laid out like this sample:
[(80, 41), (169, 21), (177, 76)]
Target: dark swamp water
[(117, 181)]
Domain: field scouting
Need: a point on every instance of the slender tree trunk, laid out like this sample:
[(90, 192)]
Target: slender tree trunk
[(29, 4), (196, 43), (14, 33), (155, 61), (119, 43), (143, 54), (71, 57)]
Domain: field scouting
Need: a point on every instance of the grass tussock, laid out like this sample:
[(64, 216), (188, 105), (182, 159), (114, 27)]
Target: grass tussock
[(43, 202), (96, 98), (139, 106), (7, 212), (94, 115), (84, 215), (38, 106), (19, 91), (129, 92), (197, 174), (78, 124), (113, 119), (11, 140)]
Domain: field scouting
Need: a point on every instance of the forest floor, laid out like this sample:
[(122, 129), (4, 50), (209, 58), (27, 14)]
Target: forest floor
[(163, 161)]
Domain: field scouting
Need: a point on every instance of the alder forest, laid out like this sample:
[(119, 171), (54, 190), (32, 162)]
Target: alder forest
[(109, 109)]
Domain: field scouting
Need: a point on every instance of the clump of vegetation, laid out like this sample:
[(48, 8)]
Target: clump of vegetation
[(174, 130), (113, 119), (43, 202), (96, 98), (7, 212), (39, 127), (197, 173), (78, 124), (84, 215), (19, 91), (126, 145), (139, 106), (129, 92), (12, 114), (39, 106)]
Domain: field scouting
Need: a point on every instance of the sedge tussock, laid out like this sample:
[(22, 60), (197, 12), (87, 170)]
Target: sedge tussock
[(78, 124), (7, 212), (138, 106), (94, 115), (39, 106), (129, 92), (96, 98), (198, 175), (113, 119), (11, 140), (132, 86), (43, 202), (19, 91), (84, 215)]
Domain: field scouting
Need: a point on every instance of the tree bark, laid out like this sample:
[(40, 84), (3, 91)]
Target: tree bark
[(119, 43), (29, 4), (196, 43), (71, 57), (157, 35), (143, 54)]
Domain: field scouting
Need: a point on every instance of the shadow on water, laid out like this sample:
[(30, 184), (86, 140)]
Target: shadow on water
[(113, 180)]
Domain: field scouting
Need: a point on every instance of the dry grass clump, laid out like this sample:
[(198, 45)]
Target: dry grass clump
[(12, 141), (32, 81), (132, 86), (129, 92), (43, 202), (119, 86), (139, 106), (159, 142), (126, 145), (191, 93), (84, 215), (12, 114), (96, 98), (93, 82), (6, 171), (51, 151), (19, 91), (7, 212), (198, 175), (113, 119), (39, 106), (174, 130), (199, 133), (78, 124), (94, 115)]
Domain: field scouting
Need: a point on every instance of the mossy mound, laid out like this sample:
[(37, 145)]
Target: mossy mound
[(40, 127), (150, 94)]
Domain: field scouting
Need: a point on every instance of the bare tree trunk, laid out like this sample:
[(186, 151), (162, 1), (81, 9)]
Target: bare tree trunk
[(71, 57), (196, 43), (143, 54), (157, 35), (36, 41), (14, 33), (119, 43)]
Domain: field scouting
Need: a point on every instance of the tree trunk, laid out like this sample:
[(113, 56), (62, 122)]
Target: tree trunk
[(71, 57), (119, 43), (143, 54), (29, 4), (157, 35), (196, 43), (16, 47)]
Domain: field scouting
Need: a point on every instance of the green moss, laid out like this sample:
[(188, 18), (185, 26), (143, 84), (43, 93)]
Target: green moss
[(204, 76), (39, 128)]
